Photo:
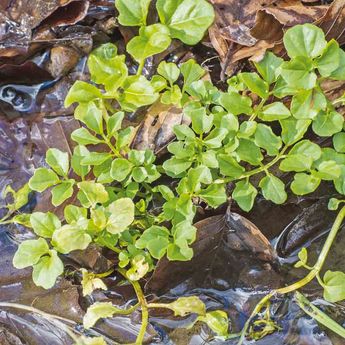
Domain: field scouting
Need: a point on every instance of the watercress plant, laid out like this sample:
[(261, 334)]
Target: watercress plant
[(239, 143)]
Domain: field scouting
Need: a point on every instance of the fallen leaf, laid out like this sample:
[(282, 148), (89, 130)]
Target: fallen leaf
[(156, 130), (231, 230)]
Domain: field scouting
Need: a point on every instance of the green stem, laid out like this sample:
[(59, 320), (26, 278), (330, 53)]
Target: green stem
[(144, 312), (140, 67), (257, 109), (308, 278), (318, 315), (260, 169), (111, 146), (144, 308)]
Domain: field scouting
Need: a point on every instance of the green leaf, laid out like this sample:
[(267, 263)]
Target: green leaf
[(296, 162), (29, 252), (334, 203), (255, 84), (20, 197), (83, 137), (217, 321), (78, 154), (120, 169), (247, 151), (169, 71), (82, 92), (46, 271), (187, 305), (273, 189), (268, 66), (274, 111), (293, 130), (152, 40), (236, 104), (107, 68), (91, 115), (305, 40), (165, 191), (339, 183), (58, 161), (327, 123), (307, 148), (73, 213), (303, 255), (339, 73), (298, 73), (306, 104), (97, 311), (229, 167), (121, 215), (44, 224), (139, 174), (201, 122), (62, 192), (304, 184), (132, 13), (191, 72), (155, 239), (137, 92), (209, 159), (92, 193), (95, 158), (339, 142), (334, 289), (43, 178), (158, 83), (328, 170), (247, 129), (244, 194), (187, 20), (114, 123), (328, 62), (214, 195), (71, 237), (124, 137), (22, 219), (172, 96), (174, 166), (215, 138), (90, 283), (139, 268), (183, 131), (265, 138)]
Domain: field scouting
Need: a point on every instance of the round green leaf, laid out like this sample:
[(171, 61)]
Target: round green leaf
[(305, 40), (29, 252), (44, 224), (43, 178), (46, 271), (121, 215), (273, 189), (304, 184)]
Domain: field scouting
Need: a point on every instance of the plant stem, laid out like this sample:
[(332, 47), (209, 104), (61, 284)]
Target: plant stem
[(260, 169), (144, 308), (144, 312), (111, 146), (308, 278), (318, 315), (140, 67)]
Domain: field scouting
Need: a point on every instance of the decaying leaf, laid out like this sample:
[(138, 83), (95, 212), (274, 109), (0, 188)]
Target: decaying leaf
[(156, 130), (232, 230)]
